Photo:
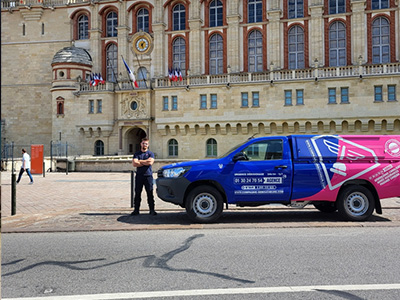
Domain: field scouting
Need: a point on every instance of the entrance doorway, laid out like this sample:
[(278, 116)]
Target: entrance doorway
[(134, 138)]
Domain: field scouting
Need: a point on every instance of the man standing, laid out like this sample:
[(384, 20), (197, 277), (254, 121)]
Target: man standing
[(143, 160), (26, 165)]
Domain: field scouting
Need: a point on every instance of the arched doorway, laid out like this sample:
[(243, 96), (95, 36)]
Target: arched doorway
[(134, 138)]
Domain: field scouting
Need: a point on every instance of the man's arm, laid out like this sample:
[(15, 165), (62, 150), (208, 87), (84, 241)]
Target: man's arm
[(140, 163)]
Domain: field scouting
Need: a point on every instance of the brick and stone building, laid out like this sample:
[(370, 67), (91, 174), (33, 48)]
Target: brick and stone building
[(249, 67)]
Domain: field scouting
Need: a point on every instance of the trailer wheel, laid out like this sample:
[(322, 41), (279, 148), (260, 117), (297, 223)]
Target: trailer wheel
[(325, 207), (356, 203), (204, 204)]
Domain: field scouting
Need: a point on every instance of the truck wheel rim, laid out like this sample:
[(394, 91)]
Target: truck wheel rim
[(204, 205), (357, 204)]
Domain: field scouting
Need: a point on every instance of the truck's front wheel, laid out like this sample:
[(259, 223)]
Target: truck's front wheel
[(204, 204), (356, 203)]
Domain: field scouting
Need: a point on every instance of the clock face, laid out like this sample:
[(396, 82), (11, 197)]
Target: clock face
[(142, 44)]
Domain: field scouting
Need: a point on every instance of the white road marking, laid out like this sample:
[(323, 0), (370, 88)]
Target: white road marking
[(233, 291)]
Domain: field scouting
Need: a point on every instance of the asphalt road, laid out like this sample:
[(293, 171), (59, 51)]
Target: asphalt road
[(274, 263)]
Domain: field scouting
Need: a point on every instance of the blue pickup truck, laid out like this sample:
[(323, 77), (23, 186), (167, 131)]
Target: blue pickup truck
[(348, 174)]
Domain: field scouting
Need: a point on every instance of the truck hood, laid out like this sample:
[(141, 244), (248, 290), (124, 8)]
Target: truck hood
[(193, 163)]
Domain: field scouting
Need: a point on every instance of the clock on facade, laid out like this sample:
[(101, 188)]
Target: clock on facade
[(142, 43)]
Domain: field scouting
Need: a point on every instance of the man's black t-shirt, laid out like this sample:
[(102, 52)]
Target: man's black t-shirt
[(144, 170)]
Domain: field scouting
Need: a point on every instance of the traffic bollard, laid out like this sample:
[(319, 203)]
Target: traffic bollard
[(132, 188), (13, 194)]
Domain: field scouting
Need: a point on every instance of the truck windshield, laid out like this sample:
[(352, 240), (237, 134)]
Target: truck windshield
[(233, 149)]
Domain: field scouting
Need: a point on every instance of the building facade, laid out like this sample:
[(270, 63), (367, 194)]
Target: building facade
[(243, 68)]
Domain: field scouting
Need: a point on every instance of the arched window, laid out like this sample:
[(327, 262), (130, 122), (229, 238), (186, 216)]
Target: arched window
[(60, 107), (83, 27), (296, 48), (337, 44), (216, 54), (179, 54), (143, 20), (99, 148), (212, 147), (142, 77), (112, 62), (379, 4), (112, 23), (172, 148), (216, 13), (255, 51), (295, 9), (380, 41), (179, 17), (254, 11)]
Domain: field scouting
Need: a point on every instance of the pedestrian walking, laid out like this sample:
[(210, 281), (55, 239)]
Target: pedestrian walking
[(26, 165), (142, 161)]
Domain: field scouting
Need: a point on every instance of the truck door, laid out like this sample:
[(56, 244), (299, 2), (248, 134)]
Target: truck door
[(265, 175)]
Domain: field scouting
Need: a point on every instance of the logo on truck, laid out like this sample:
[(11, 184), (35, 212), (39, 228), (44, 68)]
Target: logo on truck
[(392, 147), (343, 150)]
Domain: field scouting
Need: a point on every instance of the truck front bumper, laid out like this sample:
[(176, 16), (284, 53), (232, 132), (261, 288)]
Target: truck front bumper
[(172, 190)]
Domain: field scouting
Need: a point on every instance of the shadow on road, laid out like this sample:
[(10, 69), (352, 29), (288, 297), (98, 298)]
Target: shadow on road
[(235, 217)]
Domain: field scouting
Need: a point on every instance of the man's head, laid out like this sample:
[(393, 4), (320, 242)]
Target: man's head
[(23, 150), (145, 144)]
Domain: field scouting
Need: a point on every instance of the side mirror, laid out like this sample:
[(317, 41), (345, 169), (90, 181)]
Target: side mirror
[(240, 156)]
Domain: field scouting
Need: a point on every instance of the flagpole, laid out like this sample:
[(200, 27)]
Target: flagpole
[(141, 71), (112, 69), (130, 80)]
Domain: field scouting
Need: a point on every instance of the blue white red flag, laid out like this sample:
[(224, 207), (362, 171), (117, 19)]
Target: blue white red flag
[(176, 75), (130, 73), (102, 81), (180, 75), (170, 75)]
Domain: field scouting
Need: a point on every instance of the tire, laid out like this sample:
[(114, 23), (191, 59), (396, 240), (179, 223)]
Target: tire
[(325, 207), (356, 203), (204, 204)]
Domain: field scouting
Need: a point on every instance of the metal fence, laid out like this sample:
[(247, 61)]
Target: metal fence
[(12, 152)]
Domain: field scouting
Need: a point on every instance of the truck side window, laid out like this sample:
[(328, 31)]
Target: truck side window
[(275, 150), (265, 150)]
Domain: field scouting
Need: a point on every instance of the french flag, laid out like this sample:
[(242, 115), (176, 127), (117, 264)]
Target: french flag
[(130, 74), (180, 75)]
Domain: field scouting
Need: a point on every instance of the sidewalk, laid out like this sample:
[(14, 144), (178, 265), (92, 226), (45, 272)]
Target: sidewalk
[(101, 201)]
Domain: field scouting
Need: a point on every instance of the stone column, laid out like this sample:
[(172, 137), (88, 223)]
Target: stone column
[(196, 40), (233, 35), (95, 37), (274, 39), (160, 43), (316, 44), (233, 43), (358, 30), (196, 47), (160, 48), (123, 33)]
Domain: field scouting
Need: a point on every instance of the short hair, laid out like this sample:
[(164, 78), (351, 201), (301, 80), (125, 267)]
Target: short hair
[(23, 150), (146, 139)]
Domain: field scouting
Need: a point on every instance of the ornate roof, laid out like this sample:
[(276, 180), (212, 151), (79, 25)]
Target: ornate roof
[(72, 55)]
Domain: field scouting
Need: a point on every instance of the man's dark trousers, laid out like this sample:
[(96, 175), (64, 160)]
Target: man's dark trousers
[(147, 182)]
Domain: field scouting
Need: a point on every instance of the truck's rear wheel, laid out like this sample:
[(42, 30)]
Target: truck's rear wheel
[(356, 203), (204, 204)]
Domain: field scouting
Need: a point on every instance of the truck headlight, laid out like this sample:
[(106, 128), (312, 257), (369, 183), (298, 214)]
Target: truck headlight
[(175, 172)]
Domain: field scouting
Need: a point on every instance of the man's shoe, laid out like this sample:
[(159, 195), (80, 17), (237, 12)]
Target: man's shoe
[(31, 182), (153, 213), (135, 213)]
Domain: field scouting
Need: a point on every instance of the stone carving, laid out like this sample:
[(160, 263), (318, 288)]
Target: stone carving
[(134, 107)]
